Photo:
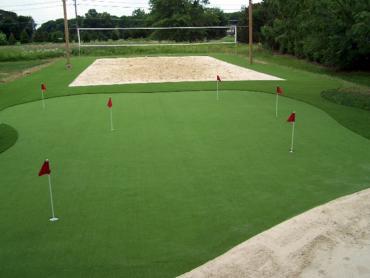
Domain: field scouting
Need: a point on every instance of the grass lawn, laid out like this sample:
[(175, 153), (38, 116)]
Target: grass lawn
[(8, 137), (183, 178), (8, 70)]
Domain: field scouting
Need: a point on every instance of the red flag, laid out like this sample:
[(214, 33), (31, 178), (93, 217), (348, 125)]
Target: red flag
[(218, 78), (110, 103), (45, 169), (279, 90), (43, 87), (291, 118)]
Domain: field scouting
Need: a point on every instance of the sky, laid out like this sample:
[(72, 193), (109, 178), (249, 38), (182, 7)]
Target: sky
[(45, 10)]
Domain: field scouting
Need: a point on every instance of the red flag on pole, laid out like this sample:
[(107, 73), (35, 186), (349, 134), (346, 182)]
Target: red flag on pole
[(279, 90), (43, 87), (291, 118), (45, 169), (110, 103), (219, 78)]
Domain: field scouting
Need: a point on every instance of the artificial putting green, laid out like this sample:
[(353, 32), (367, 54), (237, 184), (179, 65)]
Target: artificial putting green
[(182, 179)]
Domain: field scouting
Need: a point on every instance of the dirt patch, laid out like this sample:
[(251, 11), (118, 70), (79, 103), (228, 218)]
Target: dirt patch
[(332, 240), (9, 77), (163, 69)]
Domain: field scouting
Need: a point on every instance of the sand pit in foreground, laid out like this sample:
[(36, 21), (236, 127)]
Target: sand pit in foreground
[(332, 240), (163, 69)]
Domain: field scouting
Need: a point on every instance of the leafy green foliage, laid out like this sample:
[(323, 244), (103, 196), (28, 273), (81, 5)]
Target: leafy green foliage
[(31, 52), (354, 97), (241, 18), (13, 25), (12, 39), (332, 32), (164, 13), (24, 38), (3, 40), (173, 13)]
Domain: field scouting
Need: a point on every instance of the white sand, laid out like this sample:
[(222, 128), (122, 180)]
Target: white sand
[(332, 240), (163, 69)]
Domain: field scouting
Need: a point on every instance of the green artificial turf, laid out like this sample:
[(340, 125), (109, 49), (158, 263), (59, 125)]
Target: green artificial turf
[(182, 179), (301, 84), (354, 97), (8, 137)]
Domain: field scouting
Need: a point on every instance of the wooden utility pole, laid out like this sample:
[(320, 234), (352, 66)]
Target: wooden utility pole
[(250, 32), (66, 35)]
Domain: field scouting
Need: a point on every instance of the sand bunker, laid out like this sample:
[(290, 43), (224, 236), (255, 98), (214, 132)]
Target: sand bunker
[(163, 69), (332, 240)]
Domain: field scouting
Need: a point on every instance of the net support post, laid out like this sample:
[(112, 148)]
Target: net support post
[(235, 34), (79, 41)]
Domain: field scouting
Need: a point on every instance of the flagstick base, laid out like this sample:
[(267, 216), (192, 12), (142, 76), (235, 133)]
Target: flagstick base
[(291, 151), (53, 219)]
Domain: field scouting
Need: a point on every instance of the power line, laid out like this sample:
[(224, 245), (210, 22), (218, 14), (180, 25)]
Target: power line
[(35, 8), (32, 4), (114, 6), (115, 2)]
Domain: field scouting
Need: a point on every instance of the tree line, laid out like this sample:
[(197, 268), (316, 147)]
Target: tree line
[(331, 32), (163, 13), (15, 28)]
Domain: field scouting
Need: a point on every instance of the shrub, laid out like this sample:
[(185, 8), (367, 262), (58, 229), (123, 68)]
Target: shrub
[(24, 38), (3, 40), (12, 39)]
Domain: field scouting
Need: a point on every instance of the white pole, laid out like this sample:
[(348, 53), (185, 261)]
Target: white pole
[(236, 39), (292, 144), (217, 90), (79, 40), (51, 201), (277, 103), (236, 34), (111, 119), (42, 98)]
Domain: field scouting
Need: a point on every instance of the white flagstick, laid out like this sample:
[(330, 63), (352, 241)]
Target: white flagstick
[(292, 144), (43, 100), (217, 90), (51, 201), (111, 119), (277, 103)]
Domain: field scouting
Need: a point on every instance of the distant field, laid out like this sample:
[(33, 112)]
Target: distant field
[(30, 52)]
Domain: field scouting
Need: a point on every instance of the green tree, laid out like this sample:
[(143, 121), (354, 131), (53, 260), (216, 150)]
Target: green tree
[(24, 38), (176, 13), (3, 40), (115, 35), (11, 23), (332, 32), (57, 36), (12, 39), (41, 36)]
